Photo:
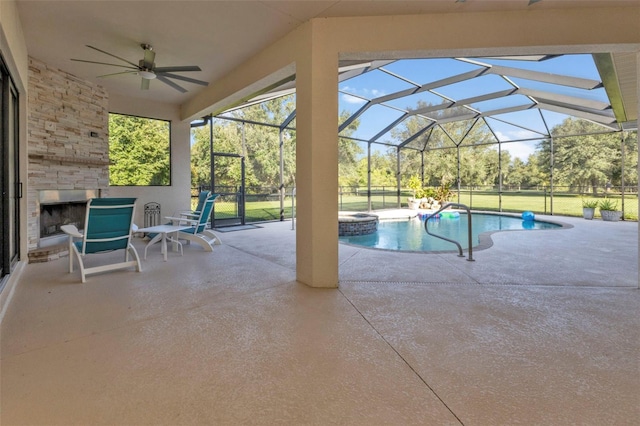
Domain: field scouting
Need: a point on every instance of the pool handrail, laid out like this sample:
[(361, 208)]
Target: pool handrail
[(446, 206)]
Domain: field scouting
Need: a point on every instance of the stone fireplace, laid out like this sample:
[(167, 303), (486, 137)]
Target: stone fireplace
[(68, 150), (61, 207)]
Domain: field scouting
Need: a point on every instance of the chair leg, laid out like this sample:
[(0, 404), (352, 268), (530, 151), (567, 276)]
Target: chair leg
[(134, 253), (198, 239), (212, 237), (82, 272), (71, 251)]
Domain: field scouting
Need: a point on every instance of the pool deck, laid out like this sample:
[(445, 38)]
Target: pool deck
[(584, 253), (542, 328)]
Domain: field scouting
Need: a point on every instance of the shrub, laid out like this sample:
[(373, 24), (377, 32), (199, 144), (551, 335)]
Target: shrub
[(590, 204), (608, 204)]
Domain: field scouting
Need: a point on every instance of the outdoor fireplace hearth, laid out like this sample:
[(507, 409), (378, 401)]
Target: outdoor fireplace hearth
[(61, 207), (53, 216), (57, 208)]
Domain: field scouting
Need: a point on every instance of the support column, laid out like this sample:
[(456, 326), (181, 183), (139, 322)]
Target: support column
[(317, 162), (552, 165), (369, 176), (499, 176), (281, 189), (622, 159), (398, 177), (458, 177)]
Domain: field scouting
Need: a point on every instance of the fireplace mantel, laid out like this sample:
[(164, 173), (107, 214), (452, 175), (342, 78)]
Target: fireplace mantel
[(54, 196), (69, 160)]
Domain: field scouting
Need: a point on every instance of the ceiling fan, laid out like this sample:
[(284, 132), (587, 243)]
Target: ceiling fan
[(146, 68)]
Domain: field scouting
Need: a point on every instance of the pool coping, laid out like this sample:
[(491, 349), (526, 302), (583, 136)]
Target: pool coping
[(484, 239)]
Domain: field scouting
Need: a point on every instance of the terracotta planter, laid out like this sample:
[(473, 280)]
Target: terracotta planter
[(611, 215)]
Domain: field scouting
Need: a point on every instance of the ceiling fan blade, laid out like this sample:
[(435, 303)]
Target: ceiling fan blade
[(187, 79), (178, 69), (171, 83), (145, 84), (117, 57), (104, 63), (117, 73)]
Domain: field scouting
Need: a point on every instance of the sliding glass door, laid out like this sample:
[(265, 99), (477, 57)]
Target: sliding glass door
[(10, 186)]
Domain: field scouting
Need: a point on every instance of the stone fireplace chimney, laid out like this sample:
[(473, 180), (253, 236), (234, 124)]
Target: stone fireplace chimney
[(68, 147)]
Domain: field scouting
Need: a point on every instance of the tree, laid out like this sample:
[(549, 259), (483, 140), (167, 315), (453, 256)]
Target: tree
[(139, 151), (582, 162), (349, 152), (516, 174), (200, 159), (440, 146), (535, 173), (383, 168), (630, 161), (260, 146), (262, 143), (227, 139)]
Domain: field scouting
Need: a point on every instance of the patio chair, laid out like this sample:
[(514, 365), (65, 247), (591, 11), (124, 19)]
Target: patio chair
[(183, 214), (198, 233), (107, 227), (194, 214)]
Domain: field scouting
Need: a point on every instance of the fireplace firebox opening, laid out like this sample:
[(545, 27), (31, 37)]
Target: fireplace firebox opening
[(53, 216)]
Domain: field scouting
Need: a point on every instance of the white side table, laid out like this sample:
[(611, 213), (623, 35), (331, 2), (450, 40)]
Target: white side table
[(164, 233)]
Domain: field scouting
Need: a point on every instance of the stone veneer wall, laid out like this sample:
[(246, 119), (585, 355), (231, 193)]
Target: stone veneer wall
[(63, 112), (357, 224)]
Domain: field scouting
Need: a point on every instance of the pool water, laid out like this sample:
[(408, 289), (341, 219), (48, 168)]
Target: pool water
[(410, 235)]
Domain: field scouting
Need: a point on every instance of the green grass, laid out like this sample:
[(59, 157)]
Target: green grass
[(255, 211), (563, 204)]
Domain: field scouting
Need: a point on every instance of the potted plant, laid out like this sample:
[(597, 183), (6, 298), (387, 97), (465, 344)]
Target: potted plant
[(443, 193), (589, 208), (609, 210), (415, 184)]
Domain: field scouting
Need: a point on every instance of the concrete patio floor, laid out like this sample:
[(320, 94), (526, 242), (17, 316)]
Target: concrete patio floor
[(543, 328)]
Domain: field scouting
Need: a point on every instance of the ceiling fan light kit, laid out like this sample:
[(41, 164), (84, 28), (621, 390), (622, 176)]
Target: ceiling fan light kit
[(147, 69), (147, 74)]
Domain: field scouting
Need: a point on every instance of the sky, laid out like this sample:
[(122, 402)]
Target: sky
[(420, 71), (355, 91)]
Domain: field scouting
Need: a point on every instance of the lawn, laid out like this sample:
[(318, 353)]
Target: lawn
[(537, 202)]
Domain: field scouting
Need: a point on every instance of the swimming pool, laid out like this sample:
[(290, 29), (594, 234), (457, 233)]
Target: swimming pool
[(409, 235)]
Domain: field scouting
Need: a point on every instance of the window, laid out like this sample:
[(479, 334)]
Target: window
[(139, 151)]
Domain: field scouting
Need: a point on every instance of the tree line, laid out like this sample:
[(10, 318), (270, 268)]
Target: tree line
[(580, 163), (259, 145)]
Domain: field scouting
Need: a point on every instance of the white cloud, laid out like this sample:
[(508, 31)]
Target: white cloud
[(520, 150), (352, 99), (363, 92), (514, 135)]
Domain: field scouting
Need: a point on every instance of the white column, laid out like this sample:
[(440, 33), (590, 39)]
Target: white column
[(317, 163)]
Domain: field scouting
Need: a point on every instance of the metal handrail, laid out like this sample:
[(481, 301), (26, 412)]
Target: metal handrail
[(446, 206)]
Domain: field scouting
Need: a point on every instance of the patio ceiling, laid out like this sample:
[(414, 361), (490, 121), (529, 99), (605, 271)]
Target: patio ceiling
[(218, 36)]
